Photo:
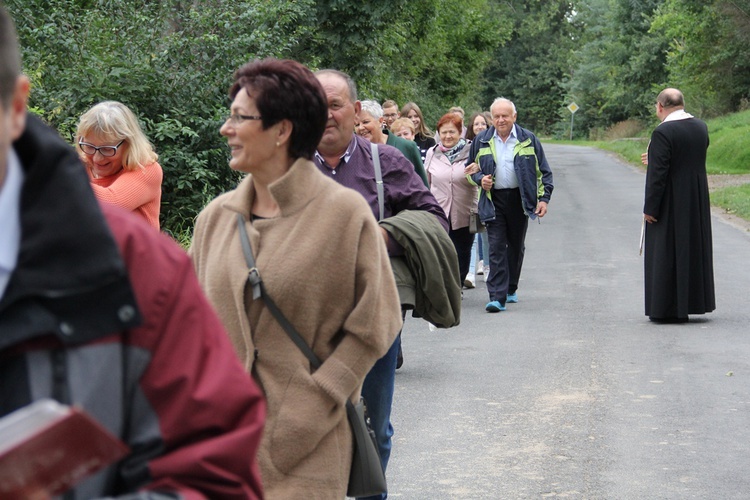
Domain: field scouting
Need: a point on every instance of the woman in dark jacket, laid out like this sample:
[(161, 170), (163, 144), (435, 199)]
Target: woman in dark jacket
[(423, 136)]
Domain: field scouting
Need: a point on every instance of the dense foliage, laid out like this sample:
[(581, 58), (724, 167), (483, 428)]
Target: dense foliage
[(172, 62), (630, 49), (530, 68)]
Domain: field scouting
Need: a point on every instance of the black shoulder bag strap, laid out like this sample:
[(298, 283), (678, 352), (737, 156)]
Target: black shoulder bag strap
[(259, 291), (366, 477)]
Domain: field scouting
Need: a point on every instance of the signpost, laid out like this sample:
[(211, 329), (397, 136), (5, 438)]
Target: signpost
[(572, 107)]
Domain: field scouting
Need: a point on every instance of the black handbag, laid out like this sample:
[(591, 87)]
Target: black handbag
[(475, 224), (366, 476)]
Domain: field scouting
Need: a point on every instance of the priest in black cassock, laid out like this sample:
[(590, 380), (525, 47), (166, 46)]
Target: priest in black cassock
[(678, 246)]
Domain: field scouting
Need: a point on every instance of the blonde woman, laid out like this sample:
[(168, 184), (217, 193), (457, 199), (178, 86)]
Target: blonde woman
[(120, 160), (423, 136), (403, 128)]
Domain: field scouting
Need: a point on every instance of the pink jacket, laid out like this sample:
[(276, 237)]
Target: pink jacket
[(450, 186)]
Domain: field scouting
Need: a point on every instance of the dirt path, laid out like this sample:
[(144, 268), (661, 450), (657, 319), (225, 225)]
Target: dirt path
[(722, 181)]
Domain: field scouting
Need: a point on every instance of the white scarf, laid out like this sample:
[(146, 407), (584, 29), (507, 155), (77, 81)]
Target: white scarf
[(680, 114)]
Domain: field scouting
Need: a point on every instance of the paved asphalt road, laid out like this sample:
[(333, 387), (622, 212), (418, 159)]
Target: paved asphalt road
[(572, 392)]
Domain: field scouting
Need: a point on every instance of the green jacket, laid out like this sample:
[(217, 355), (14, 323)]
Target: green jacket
[(429, 263), (411, 151)]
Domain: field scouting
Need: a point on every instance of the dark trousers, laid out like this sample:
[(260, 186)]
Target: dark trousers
[(506, 235), (463, 240)]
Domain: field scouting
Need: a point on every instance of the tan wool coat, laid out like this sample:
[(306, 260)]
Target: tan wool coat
[(324, 262)]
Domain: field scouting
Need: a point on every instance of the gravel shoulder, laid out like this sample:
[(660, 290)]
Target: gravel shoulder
[(722, 181)]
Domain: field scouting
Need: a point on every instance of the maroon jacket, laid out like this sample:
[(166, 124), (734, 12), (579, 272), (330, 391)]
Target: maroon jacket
[(106, 313)]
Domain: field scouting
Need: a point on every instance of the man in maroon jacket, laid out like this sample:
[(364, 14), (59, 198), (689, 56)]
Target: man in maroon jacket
[(99, 310)]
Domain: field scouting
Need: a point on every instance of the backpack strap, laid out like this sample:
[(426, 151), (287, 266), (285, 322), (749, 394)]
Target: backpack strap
[(378, 179)]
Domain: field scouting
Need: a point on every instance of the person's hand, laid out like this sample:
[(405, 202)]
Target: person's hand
[(644, 158), (471, 169), (649, 218), (541, 208), (487, 182), (385, 235)]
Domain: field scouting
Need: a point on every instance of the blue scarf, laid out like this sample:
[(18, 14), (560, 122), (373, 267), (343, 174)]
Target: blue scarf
[(453, 152)]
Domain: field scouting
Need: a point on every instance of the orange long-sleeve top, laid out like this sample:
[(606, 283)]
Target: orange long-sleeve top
[(136, 190)]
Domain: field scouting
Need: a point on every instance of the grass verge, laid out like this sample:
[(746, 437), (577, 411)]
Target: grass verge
[(735, 200)]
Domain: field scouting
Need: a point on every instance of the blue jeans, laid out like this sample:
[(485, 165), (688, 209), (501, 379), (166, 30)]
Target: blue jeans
[(484, 248), (473, 263), (378, 393)]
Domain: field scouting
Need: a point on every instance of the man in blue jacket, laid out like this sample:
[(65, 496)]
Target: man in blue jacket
[(516, 184)]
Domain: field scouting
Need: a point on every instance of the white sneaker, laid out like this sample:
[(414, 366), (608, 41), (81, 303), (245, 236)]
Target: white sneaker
[(486, 273), (480, 267), (470, 281)]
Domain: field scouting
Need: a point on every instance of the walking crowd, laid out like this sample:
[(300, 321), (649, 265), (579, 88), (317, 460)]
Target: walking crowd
[(351, 214)]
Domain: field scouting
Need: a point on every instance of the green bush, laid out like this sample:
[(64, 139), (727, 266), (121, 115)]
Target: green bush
[(169, 62)]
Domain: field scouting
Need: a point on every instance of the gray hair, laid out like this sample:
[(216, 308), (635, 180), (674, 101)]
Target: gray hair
[(348, 79), (507, 101), (372, 107)]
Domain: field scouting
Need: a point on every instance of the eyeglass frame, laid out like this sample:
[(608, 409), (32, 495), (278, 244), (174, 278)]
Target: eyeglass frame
[(98, 149), (236, 119)]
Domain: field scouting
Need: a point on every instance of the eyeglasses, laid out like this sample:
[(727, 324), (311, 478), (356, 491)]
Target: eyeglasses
[(238, 119), (91, 150), (390, 115)]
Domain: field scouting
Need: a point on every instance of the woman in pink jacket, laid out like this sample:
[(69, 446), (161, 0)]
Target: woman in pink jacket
[(445, 169)]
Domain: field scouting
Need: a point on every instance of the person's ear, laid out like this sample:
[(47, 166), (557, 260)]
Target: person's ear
[(18, 107), (357, 107), (284, 132)]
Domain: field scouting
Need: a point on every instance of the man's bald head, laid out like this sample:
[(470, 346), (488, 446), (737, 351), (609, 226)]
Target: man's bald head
[(671, 98)]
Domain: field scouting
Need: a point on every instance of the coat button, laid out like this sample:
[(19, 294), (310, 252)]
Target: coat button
[(66, 329), (126, 313)]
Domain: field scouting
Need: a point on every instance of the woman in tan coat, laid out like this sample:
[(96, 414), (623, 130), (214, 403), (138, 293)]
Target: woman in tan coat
[(323, 261)]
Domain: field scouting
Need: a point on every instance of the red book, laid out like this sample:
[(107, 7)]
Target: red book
[(47, 447)]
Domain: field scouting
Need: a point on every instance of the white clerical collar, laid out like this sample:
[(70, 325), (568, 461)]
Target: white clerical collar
[(10, 222), (679, 114)]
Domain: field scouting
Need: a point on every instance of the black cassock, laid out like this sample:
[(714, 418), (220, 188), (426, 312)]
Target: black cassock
[(678, 247)]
